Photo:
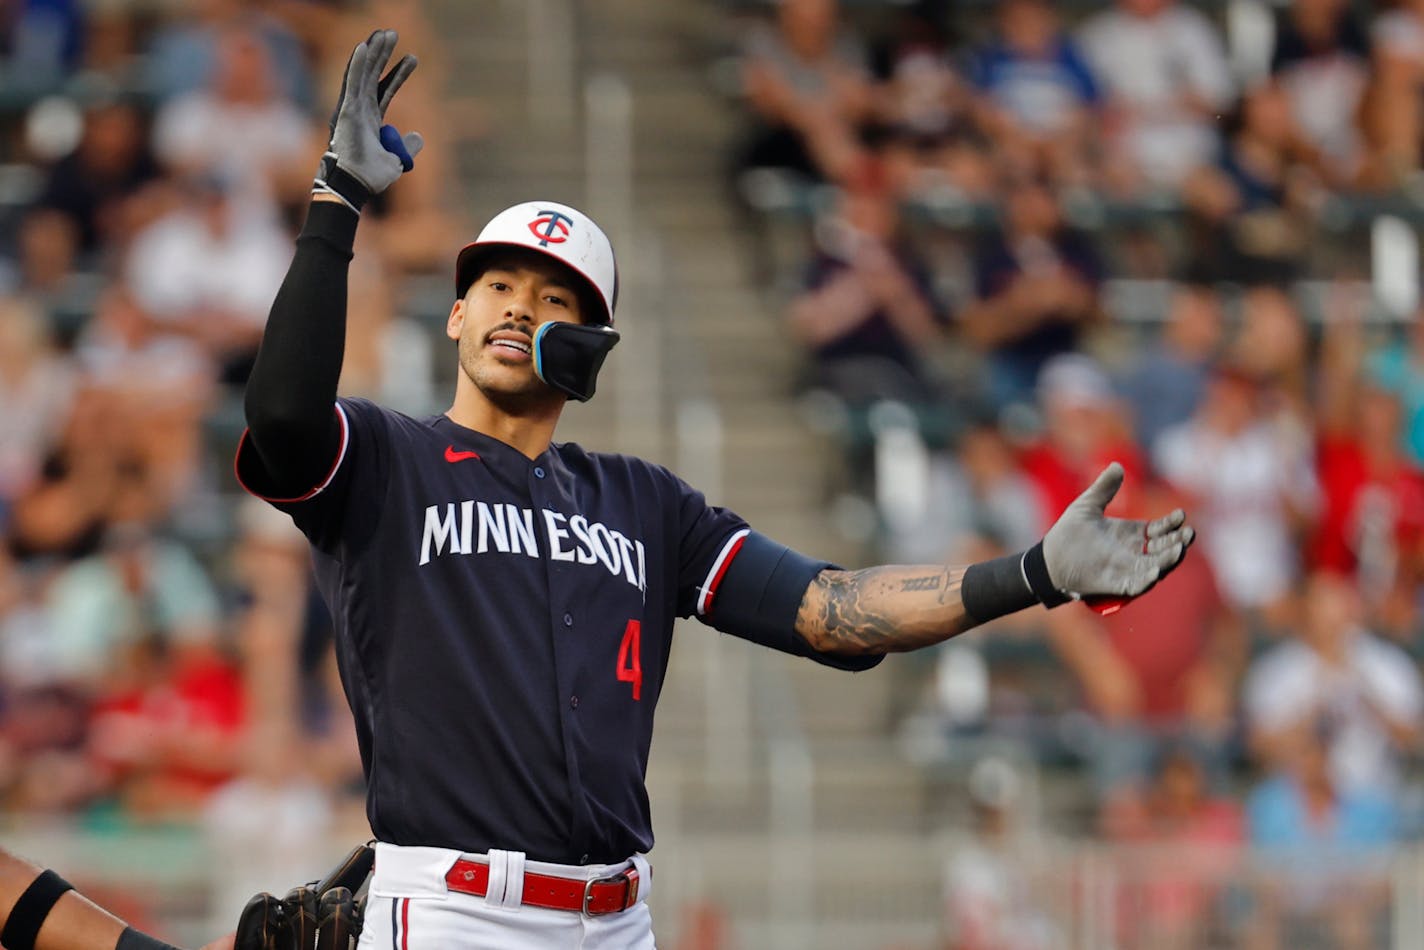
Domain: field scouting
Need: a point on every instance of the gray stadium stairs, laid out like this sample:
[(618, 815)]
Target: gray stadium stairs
[(721, 339)]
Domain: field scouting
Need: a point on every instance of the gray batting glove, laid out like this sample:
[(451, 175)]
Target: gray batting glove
[(1089, 555), (364, 156)]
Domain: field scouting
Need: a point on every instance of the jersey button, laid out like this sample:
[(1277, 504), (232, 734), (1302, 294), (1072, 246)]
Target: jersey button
[(573, 702), (568, 620), (538, 472), (583, 860)]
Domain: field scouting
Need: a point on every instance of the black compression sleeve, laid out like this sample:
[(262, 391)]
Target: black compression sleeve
[(293, 383)]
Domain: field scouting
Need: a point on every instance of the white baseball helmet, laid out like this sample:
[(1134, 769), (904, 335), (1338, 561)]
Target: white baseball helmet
[(566, 234)]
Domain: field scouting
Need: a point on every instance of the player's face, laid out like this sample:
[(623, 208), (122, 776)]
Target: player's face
[(496, 321)]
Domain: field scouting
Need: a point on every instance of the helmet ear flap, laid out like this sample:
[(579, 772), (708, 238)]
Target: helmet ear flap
[(568, 356)]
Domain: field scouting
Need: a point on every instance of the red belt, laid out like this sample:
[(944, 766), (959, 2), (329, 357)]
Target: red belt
[(604, 895)]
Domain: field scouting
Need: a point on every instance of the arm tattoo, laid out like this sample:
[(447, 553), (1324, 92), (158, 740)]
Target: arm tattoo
[(882, 609), (846, 616), (949, 592)]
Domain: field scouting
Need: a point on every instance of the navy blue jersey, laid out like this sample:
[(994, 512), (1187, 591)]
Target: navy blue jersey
[(503, 627)]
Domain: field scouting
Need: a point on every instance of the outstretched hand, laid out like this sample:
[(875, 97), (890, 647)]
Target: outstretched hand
[(1094, 557), (365, 156)]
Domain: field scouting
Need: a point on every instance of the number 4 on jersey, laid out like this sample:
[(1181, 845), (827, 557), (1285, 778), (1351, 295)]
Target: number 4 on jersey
[(630, 664)]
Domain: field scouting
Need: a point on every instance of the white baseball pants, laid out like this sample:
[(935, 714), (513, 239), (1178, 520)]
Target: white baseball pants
[(410, 907)]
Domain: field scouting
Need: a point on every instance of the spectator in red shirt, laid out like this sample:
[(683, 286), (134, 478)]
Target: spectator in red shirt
[(1161, 671), (1084, 428), (1163, 667), (170, 728), (1372, 517)]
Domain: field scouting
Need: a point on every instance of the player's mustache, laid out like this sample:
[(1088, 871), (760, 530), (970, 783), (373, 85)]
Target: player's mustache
[(509, 325)]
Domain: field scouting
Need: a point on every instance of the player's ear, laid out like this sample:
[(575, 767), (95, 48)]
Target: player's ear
[(456, 321)]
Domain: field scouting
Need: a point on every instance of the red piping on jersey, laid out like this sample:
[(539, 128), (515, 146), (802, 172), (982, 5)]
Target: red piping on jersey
[(719, 568), (331, 473)]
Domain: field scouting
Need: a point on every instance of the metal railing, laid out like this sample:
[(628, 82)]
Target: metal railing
[(797, 886)]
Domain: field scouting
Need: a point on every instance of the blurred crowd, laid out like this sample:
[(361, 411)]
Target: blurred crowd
[(967, 182), (1026, 238), (163, 656)]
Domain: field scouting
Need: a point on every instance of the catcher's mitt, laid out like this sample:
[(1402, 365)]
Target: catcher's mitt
[(324, 915)]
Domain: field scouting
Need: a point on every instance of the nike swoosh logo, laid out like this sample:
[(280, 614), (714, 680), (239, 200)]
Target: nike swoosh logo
[(453, 455)]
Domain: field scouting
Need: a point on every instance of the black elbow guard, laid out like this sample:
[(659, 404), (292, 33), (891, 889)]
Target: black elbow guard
[(760, 594)]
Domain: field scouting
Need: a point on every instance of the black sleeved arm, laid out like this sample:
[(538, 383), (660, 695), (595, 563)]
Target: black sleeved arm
[(291, 393), (760, 593), (741, 582)]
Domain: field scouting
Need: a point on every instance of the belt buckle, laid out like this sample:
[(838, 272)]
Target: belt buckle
[(628, 877)]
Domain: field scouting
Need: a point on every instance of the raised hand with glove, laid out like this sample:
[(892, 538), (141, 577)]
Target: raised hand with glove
[(364, 156)]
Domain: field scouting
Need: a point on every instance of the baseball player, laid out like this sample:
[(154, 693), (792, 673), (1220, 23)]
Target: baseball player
[(504, 603)]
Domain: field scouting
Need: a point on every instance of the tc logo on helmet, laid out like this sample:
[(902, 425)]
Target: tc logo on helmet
[(551, 227)]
